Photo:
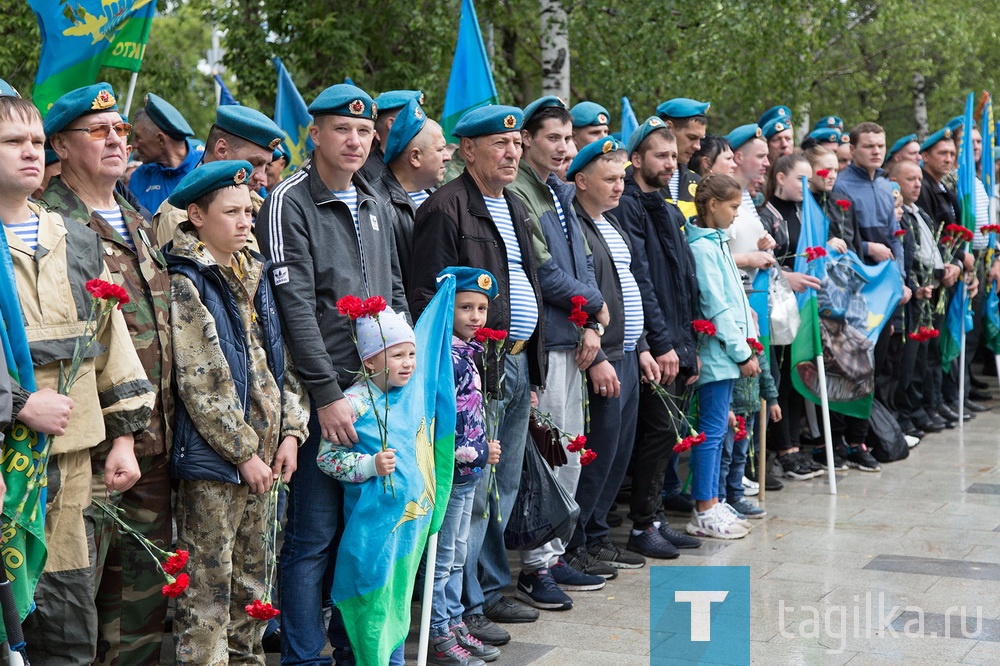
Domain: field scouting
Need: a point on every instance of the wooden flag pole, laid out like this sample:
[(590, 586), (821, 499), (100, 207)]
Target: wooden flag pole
[(762, 453)]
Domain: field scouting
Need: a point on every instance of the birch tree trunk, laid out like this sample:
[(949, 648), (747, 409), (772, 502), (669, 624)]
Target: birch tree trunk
[(920, 106), (555, 49)]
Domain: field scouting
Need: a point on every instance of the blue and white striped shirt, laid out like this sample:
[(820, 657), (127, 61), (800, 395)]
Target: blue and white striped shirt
[(26, 231), (980, 240), (350, 197), (560, 212), (418, 197), (675, 183), (523, 306), (630, 289), (117, 221)]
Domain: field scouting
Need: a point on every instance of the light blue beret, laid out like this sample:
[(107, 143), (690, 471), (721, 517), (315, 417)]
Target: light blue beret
[(781, 112), (826, 135), (542, 103), (940, 135), (742, 134), (343, 99), (89, 99), (167, 118), (249, 124), (397, 99), (495, 119), (590, 152), (775, 125), (682, 107), (586, 114), (650, 125), (207, 178), (829, 122), (472, 279), (408, 124), (7, 90), (899, 145)]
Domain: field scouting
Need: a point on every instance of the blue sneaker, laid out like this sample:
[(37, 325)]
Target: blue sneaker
[(539, 589), (748, 509), (569, 578), (652, 544)]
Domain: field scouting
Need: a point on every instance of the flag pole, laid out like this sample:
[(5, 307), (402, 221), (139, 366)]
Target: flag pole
[(827, 433), (961, 365), (762, 453), (131, 91), (425, 601)]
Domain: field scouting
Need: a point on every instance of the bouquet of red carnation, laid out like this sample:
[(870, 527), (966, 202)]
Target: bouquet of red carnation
[(579, 319), (261, 609), (813, 253), (573, 444), (741, 428), (755, 346), (492, 341)]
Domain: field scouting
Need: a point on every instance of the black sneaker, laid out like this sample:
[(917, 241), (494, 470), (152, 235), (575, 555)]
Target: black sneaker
[(676, 539), (652, 544), (771, 483), (859, 458), (473, 645), (790, 466), (509, 612), (679, 503), (486, 630), (808, 462), (540, 589), (583, 561), (573, 580), (611, 553), (839, 464)]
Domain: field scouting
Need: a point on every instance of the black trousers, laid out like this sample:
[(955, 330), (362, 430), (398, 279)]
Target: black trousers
[(653, 452)]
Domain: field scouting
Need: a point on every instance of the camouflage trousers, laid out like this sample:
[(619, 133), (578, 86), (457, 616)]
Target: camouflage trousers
[(62, 630), (130, 608), (222, 525)]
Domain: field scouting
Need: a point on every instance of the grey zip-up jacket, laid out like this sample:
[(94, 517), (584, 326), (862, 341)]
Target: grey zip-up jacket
[(309, 236)]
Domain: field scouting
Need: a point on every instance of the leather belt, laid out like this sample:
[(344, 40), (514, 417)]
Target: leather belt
[(515, 347)]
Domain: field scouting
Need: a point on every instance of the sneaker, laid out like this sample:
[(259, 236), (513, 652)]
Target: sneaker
[(809, 462), (652, 544), (609, 552), (584, 562), (715, 523), (473, 645), (911, 441), (735, 515), (679, 503), (771, 483), (790, 466), (859, 457), (839, 464), (749, 509), (750, 488), (540, 589), (677, 539), (569, 578), (486, 630), (508, 612), (445, 651)]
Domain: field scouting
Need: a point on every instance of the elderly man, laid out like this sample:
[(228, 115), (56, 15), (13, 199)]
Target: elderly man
[(415, 158), (475, 221), (239, 133), (776, 127), (162, 140), (328, 236), (130, 607)]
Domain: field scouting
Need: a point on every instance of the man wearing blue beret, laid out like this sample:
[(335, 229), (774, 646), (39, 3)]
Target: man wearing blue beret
[(239, 133), (162, 140), (388, 105), (906, 149), (687, 121), (328, 236), (415, 158), (590, 123), (475, 221), (779, 136)]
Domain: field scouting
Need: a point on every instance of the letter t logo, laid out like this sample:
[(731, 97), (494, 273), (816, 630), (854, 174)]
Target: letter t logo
[(701, 610)]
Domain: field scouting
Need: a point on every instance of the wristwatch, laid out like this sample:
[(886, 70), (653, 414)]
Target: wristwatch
[(596, 326)]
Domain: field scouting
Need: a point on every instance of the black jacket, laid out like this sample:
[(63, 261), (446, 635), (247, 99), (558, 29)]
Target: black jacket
[(403, 211), (454, 228), (664, 270), (843, 221)]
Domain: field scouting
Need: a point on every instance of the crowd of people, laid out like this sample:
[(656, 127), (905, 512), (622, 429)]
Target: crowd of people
[(619, 268)]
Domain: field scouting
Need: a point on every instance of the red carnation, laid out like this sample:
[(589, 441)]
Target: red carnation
[(930, 333), (498, 335), (697, 439), (374, 305), (755, 346), (915, 336), (176, 562), (578, 301), (899, 233), (260, 610), (704, 326), (578, 318), (946, 240), (682, 445), (352, 306), (814, 253), (741, 429), (577, 444), (822, 173), (106, 291), (587, 457), (176, 586), (843, 203), (990, 229)]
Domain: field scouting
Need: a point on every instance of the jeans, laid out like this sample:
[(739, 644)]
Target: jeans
[(396, 658), (714, 399), (653, 456), (482, 585), (734, 462), (308, 555), (563, 400), (612, 435), (453, 545)]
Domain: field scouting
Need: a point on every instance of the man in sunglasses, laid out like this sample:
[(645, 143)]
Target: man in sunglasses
[(90, 140)]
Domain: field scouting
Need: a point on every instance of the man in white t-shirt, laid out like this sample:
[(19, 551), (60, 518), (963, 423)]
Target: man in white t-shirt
[(748, 239)]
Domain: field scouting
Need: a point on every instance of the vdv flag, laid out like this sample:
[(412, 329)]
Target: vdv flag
[(374, 577), (842, 320), (24, 551), (629, 121), (757, 298), (991, 312), (292, 115), (470, 85), (80, 38), (951, 336), (225, 97)]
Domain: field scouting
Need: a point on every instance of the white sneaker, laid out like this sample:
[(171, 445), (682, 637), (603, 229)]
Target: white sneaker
[(713, 523), (750, 488), (911, 441), (735, 516)]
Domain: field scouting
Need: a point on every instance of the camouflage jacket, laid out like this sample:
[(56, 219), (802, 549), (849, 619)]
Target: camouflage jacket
[(143, 274), (168, 218)]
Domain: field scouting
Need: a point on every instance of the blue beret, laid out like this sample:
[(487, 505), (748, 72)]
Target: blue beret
[(588, 153), (742, 134), (494, 119), (408, 124), (7, 90), (249, 124), (775, 125), (281, 152), (167, 118), (940, 135), (894, 185), (343, 99), (207, 178), (586, 114), (898, 146), (542, 103), (50, 157), (829, 122), (649, 126), (397, 99), (472, 279), (90, 99), (782, 112), (682, 107), (827, 135), (958, 122)]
